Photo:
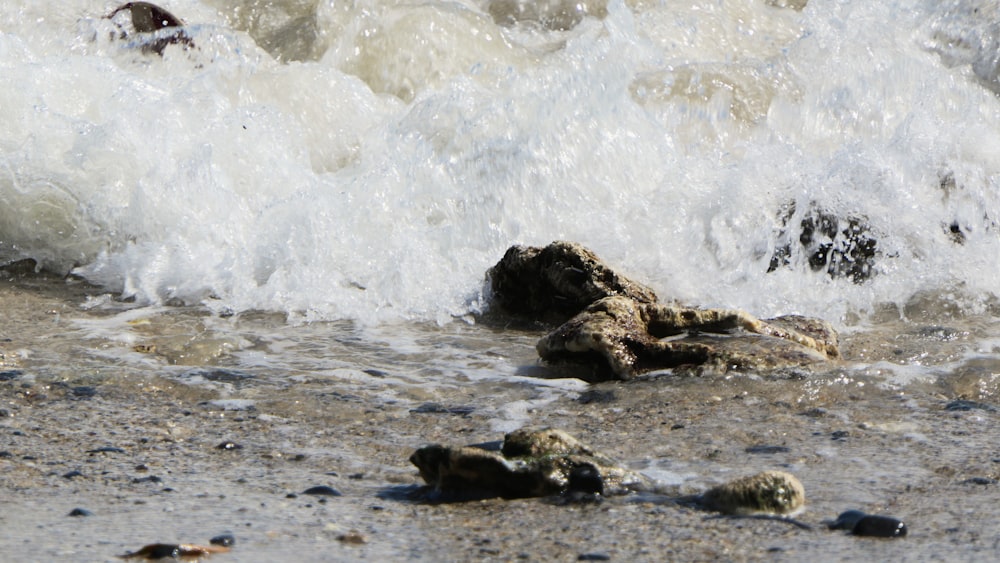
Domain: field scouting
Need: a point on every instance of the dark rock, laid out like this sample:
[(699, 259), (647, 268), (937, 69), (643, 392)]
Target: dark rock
[(593, 557), (764, 449), (980, 481), (322, 490), (225, 540), (10, 375), (596, 396), (585, 479), (437, 408), (80, 512), (229, 446), (861, 524), (72, 474), (879, 527), (840, 246), (965, 405), (149, 479), (106, 450), (556, 282), (531, 463), (149, 22)]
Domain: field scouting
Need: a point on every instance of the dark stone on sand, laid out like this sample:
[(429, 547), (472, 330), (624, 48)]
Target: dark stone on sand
[(531, 463), (861, 524), (322, 490), (225, 540), (593, 557), (80, 512), (966, 405), (980, 481), (106, 450), (10, 375), (229, 446), (765, 449), (72, 474), (83, 392), (437, 408), (554, 283), (149, 479)]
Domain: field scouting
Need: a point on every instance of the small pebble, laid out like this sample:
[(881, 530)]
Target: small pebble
[(80, 512), (106, 450), (765, 449), (229, 446), (225, 540), (593, 557), (980, 481), (322, 490), (870, 525), (352, 537), (72, 474)]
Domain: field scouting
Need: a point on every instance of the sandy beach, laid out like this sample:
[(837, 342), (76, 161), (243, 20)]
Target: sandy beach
[(155, 459)]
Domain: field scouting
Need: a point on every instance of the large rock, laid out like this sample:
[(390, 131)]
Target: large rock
[(618, 326), (630, 338), (531, 463), (556, 282)]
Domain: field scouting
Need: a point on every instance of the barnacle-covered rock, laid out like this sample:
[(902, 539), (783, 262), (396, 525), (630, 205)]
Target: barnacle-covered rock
[(556, 282), (531, 463), (769, 492), (631, 337)]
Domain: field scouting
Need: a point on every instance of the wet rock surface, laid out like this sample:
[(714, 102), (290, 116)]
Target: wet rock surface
[(531, 463), (553, 283), (619, 325), (631, 338)]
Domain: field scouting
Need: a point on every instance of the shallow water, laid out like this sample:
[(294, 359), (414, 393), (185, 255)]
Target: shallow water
[(279, 237)]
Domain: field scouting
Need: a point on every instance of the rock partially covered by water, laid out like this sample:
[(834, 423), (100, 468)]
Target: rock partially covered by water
[(631, 337), (842, 246), (531, 463), (549, 14), (770, 492), (618, 325), (557, 281)]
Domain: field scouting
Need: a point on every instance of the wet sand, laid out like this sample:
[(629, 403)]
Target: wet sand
[(89, 423)]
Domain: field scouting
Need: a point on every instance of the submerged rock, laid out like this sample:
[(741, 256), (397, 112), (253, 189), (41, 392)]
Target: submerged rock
[(531, 463), (550, 14), (153, 27), (770, 492), (843, 246)]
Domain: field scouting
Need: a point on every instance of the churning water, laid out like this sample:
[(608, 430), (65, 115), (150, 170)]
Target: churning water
[(369, 160)]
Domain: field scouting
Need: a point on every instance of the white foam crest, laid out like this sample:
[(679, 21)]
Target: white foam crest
[(668, 139)]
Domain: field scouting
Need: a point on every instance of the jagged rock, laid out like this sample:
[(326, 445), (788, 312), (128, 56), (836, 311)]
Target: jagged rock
[(615, 323), (842, 246), (631, 338), (531, 463), (557, 281)]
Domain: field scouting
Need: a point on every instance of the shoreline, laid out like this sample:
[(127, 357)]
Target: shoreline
[(150, 470)]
